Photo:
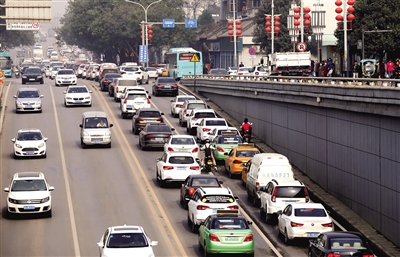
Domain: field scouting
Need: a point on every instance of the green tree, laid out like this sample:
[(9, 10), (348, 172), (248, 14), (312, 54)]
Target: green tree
[(373, 15), (205, 20)]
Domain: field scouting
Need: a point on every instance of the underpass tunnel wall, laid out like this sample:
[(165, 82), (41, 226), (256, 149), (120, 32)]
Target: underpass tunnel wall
[(353, 156)]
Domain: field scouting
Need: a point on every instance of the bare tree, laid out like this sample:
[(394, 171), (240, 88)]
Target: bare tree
[(194, 7)]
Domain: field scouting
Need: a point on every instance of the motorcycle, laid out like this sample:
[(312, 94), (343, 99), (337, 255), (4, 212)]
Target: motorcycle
[(208, 163), (247, 134), (16, 74)]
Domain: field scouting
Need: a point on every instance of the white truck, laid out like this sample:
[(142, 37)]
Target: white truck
[(290, 63), (37, 54)]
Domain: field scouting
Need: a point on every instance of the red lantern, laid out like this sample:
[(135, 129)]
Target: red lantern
[(296, 16), (267, 18), (351, 9), (307, 23), (296, 10), (230, 22), (277, 18), (230, 28), (277, 30), (351, 2), (238, 22), (150, 36), (230, 33), (150, 32), (307, 16), (306, 10), (339, 17), (351, 18), (238, 27), (338, 3), (276, 25), (338, 10), (268, 24), (238, 33), (297, 23), (268, 30), (149, 27)]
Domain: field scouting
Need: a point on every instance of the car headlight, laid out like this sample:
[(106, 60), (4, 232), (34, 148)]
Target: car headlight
[(39, 77), (24, 77), (19, 103), (18, 146), (39, 102), (108, 134), (41, 145), (68, 98), (85, 134), (88, 97), (10, 200), (45, 200)]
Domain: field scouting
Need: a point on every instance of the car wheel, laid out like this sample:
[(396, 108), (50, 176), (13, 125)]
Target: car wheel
[(286, 238), (109, 145), (162, 183), (23, 82), (44, 155), (262, 214), (256, 202), (187, 130), (147, 81), (195, 228), (83, 144), (42, 82), (122, 115), (49, 214), (136, 131), (309, 254), (205, 253), (189, 221)]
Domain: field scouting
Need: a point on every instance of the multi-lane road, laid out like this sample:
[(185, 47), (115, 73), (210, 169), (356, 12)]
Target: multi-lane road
[(98, 187)]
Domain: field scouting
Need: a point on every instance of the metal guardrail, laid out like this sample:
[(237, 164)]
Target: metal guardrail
[(333, 81)]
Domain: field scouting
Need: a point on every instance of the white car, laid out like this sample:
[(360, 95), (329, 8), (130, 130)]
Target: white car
[(65, 77), (233, 70), (28, 100), (28, 193), (177, 102), (29, 143), (195, 117), (175, 167), (77, 95), (126, 240), (218, 131), (131, 88), (187, 108), (54, 71), (138, 72), (182, 143), (133, 101), (244, 71), (208, 124), (152, 71), (259, 71), (303, 220), (206, 201)]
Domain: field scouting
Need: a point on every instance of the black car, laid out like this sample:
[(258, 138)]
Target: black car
[(105, 81), (339, 243), (193, 182), (165, 85), (32, 75), (111, 86), (154, 135)]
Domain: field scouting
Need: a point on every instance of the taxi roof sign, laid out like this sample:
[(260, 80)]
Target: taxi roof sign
[(195, 58), (228, 133), (245, 145)]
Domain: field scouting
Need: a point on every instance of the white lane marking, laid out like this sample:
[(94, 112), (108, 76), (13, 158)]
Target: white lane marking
[(278, 254), (4, 107), (66, 180)]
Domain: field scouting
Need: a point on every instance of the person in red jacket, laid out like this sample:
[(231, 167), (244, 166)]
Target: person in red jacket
[(246, 126)]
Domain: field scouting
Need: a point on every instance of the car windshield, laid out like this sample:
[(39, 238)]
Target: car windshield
[(166, 80), (28, 185), (229, 140), (110, 71), (215, 123), (96, 122), (28, 136), (151, 69), (151, 114), (229, 223), (32, 71), (309, 212), (127, 240), (57, 68), (290, 192), (134, 96), (28, 94), (131, 69), (158, 128), (196, 106), (77, 90), (65, 72), (181, 160), (112, 75), (246, 153), (205, 182), (347, 243), (182, 141)]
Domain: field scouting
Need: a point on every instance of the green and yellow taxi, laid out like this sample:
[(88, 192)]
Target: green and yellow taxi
[(226, 232), (238, 155), (224, 143)]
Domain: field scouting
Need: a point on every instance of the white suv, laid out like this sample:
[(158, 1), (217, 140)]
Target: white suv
[(133, 101), (28, 193), (279, 193), (195, 117), (65, 77), (206, 201), (187, 108)]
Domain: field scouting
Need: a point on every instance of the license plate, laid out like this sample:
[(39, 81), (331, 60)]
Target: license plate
[(232, 239), (30, 207), (78, 101), (96, 142), (312, 234), (209, 162), (66, 81), (129, 106), (159, 139), (29, 106), (167, 86), (181, 168), (32, 79), (30, 153), (150, 121)]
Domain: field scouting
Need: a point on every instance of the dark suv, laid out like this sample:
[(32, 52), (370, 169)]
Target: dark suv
[(106, 80), (144, 116), (32, 75)]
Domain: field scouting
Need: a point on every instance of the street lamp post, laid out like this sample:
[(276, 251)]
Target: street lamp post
[(145, 40)]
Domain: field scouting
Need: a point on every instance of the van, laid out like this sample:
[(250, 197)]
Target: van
[(261, 169), (121, 84), (95, 129), (54, 56)]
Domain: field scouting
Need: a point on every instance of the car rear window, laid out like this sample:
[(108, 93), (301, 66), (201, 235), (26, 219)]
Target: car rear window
[(158, 128), (347, 243), (290, 192), (309, 212), (112, 75), (217, 199), (149, 114), (181, 160), (205, 182), (246, 153), (230, 140), (166, 80), (196, 106), (215, 123), (127, 82), (134, 96), (32, 71), (182, 141), (182, 99), (229, 223), (110, 71), (204, 115), (131, 69)]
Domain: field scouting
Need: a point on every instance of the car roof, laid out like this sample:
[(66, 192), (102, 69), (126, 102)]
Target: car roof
[(282, 183), (182, 136), (29, 130), (28, 174), (203, 110), (203, 176), (94, 114), (214, 118), (346, 234), (126, 228), (148, 109), (76, 86)]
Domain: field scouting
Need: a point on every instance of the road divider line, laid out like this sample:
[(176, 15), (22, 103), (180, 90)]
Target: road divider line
[(147, 190), (66, 181)]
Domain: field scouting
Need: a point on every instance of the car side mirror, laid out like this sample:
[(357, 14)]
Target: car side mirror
[(172, 101), (280, 212), (13, 140), (154, 243), (202, 223), (173, 129), (236, 198), (41, 96), (249, 222), (51, 188), (158, 159), (65, 92), (100, 244), (16, 97), (221, 182), (225, 153), (162, 113), (6, 189), (149, 96), (90, 91), (80, 125), (45, 139)]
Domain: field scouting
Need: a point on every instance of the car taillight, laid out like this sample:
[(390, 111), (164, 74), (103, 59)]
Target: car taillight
[(233, 207), (368, 255), (148, 100), (273, 196), (178, 105), (237, 162), (295, 224), (202, 207), (220, 149), (257, 186), (168, 168), (139, 119), (184, 111), (170, 149), (149, 136), (191, 191), (327, 225), (206, 129), (160, 120), (195, 150), (116, 89), (106, 81), (159, 86), (248, 238), (125, 100), (333, 255), (194, 168), (306, 194), (240, 73), (175, 86), (138, 72), (214, 238)]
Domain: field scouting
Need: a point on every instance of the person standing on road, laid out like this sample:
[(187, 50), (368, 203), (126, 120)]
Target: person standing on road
[(382, 68), (356, 70), (241, 64)]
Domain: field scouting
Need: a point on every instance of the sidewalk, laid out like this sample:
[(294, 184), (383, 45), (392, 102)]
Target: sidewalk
[(381, 246)]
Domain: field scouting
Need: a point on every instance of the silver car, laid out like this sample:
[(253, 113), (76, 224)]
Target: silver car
[(28, 100)]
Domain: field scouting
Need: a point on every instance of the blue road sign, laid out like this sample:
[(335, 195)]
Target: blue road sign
[(190, 23), (143, 53), (168, 23)]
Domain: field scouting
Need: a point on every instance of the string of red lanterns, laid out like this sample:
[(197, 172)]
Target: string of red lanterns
[(238, 29), (306, 18), (350, 11), (149, 32), (268, 23)]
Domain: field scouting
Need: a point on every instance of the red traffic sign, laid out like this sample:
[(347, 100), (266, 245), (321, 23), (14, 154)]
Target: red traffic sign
[(35, 25), (301, 46), (252, 51)]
